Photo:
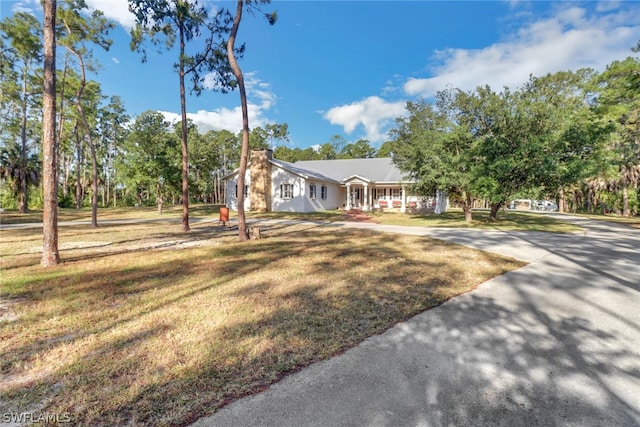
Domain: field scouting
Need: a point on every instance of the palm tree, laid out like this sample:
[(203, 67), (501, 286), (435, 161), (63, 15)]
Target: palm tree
[(11, 161)]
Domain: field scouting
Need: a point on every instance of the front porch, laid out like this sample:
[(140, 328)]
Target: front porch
[(366, 196)]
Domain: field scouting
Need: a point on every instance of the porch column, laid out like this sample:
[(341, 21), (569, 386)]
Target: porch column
[(348, 196), (403, 208), (366, 197)]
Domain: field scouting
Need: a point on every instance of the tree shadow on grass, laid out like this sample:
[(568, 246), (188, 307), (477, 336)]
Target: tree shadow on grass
[(274, 330), (162, 239), (472, 361), (541, 351)]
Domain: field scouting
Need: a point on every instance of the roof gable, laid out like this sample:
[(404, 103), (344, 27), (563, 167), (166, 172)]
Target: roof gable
[(356, 178)]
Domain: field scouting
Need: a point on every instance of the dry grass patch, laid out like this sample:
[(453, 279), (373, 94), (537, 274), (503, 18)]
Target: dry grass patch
[(124, 335), (110, 214)]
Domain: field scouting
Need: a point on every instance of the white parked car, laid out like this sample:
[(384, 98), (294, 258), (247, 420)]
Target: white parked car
[(546, 205)]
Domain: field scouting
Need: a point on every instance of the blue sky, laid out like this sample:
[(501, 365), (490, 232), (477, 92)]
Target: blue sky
[(348, 67)]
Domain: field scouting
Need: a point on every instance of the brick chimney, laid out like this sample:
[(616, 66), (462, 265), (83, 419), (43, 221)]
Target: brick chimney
[(260, 192)]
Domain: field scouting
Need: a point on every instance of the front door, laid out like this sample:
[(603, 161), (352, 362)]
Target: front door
[(356, 197)]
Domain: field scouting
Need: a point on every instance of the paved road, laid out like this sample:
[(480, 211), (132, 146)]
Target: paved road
[(556, 343)]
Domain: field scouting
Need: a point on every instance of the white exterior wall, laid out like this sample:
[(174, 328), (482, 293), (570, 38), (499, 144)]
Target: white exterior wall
[(300, 202), (334, 199), (296, 202), (232, 200)]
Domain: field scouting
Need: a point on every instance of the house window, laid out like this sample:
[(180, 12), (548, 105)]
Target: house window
[(312, 191), (286, 191), (396, 194), (381, 193), (323, 192), (246, 190)]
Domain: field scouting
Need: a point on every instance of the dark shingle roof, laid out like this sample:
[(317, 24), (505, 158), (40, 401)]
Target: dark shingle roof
[(307, 173)]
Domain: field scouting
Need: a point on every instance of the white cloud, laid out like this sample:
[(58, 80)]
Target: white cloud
[(116, 60), (26, 6), (221, 118), (570, 40), (260, 100), (256, 89), (259, 90), (373, 113), (118, 10)]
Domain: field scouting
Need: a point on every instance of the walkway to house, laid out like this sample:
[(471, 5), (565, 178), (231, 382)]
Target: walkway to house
[(553, 343), (357, 215)]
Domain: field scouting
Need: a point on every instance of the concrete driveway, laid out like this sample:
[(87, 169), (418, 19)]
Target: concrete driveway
[(556, 343)]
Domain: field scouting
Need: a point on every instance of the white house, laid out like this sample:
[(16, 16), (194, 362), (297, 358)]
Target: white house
[(308, 186)]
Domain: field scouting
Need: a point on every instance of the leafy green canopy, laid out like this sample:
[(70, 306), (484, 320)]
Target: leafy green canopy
[(497, 145)]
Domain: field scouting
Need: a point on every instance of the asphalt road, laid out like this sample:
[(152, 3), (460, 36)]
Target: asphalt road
[(555, 343)]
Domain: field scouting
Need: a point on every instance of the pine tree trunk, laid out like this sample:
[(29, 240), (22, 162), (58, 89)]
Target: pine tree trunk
[(106, 188), (79, 161), (159, 199), (185, 148), (92, 148), (22, 200), (67, 172), (244, 154), (50, 255), (67, 161), (94, 185)]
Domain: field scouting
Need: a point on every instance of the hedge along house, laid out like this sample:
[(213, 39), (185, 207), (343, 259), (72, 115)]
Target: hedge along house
[(308, 186)]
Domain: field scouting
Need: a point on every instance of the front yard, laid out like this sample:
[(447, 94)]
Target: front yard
[(145, 325)]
